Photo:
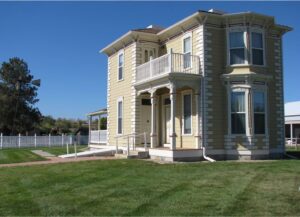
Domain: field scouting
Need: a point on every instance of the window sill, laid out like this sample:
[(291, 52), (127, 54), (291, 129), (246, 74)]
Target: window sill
[(121, 80), (187, 135)]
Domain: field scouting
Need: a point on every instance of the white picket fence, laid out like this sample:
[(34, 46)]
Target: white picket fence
[(40, 141)]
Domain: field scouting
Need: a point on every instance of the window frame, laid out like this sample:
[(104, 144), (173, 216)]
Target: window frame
[(120, 99), (122, 66), (244, 31), (238, 90), (184, 93), (185, 36), (256, 30), (261, 90)]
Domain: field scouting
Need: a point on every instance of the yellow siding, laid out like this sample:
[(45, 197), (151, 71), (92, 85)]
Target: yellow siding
[(120, 89)]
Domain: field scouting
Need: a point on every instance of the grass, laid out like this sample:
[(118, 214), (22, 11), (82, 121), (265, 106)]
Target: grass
[(62, 150), (18, 156), (135, 187), (25, 155)]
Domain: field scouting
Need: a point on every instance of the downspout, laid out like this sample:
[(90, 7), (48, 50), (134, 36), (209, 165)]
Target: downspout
[(203, 98)]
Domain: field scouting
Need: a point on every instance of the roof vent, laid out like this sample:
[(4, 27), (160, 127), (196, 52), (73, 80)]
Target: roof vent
[(215, 11), (154, 27)]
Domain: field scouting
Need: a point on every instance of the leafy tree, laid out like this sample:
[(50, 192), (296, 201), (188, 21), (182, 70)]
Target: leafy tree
[(18, 96), (103, 123)]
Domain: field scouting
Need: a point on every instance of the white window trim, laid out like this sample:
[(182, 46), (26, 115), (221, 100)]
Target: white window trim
[(256, 30), (183, 93), (185, 36), (238, 88), (264, 90), (237, 29), (121, 52), (120, 99)]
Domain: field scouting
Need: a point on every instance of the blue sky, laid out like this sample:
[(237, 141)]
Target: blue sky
[(61, 41)]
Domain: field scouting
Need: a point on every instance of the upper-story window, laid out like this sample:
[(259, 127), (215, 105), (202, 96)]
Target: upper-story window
[(187, 51), (120, 66), (238, 112), (259, 112), (237, 48), (257, 48)]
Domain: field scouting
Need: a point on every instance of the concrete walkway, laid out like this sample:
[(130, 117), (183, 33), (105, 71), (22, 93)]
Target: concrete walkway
[(56, 160), (43, 153)]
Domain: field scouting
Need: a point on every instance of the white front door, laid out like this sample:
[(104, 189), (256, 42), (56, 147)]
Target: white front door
[(146, 121), (167, 124)]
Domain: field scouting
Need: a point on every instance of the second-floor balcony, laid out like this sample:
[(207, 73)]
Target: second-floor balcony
[(166, 64)]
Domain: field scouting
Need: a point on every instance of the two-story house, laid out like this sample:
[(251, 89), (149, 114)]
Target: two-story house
[(213, 80)]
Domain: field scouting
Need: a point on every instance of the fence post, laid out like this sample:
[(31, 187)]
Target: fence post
[(62, 140), (1, 140), (19, 138), (67, 148), (49, 139), (35, 140), (70, 139)]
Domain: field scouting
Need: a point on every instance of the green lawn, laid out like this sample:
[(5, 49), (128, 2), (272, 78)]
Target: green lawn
[(25, 155), (62, 150), (17, 156), (135, 187)]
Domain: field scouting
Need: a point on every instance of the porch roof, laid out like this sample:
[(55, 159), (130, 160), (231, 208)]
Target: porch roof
[(98, 112)]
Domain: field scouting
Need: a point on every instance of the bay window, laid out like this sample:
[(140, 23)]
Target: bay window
[(257, 48), (237, 48), (238, 112), (259, 112)]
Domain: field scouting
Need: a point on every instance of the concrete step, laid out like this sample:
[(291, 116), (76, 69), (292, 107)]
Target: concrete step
[(133, 154)]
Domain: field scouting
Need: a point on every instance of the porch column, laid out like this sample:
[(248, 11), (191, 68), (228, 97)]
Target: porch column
[(153, 120), (198, 122), (90, 121), (173, 117)]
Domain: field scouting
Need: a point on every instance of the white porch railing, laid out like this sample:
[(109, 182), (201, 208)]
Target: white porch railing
[(168, 63), (98, 136)]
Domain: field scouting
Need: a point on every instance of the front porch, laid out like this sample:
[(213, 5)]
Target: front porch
[(171, 114), (97, 129)]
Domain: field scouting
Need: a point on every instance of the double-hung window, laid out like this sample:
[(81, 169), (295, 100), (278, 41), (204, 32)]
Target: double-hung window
[(259, 112), (237, 48), (187, 51), (120, 117), (187, 114), (238, 113), (120, 66), (257, 48)]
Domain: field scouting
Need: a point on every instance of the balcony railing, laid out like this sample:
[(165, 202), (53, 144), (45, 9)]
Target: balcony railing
[(168, 63)]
